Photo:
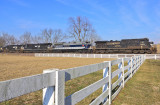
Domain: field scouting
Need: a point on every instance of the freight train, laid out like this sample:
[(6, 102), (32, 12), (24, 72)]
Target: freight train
[(136, 46)]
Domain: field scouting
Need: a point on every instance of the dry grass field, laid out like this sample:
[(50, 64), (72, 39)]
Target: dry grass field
[(19, 66)]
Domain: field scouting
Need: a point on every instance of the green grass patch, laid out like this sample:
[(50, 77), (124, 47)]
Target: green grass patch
[(143, 88)]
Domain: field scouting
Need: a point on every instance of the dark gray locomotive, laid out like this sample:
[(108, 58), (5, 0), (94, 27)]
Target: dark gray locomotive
[(28, 48), (135, 46)]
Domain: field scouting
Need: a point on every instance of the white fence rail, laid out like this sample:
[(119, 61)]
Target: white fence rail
[(147, 56), (53, 82)]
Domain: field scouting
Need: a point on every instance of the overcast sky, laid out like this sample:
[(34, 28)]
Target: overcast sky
[(112, 19)]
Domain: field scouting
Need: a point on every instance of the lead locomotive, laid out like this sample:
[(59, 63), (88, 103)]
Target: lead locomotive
[(125, 46)]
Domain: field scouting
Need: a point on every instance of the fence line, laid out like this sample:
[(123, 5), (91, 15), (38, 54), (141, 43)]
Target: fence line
[(53, 82), (147, 56)]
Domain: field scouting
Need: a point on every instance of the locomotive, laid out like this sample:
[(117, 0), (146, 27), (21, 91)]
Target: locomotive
[(136, 46), (28, 48), (72, 47)]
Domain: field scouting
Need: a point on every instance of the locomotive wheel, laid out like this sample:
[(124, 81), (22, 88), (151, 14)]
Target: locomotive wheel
[(107, 52), (135, 51), (142, 51), (149, 52), (98, 52), (127, 51), (79, 51)]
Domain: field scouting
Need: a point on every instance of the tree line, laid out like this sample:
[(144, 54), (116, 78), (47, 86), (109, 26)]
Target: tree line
[(79, 29)]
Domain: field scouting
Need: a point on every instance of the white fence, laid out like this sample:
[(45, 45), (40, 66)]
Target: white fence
[(147, 56), (53, 83)]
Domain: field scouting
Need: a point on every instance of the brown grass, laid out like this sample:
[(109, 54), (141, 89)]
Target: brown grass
[(19, 66)]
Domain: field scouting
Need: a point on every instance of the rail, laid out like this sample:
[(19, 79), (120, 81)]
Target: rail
[(53, 82)]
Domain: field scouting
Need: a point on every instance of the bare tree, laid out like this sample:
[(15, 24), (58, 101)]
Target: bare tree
[(36, 39), (26, 38), (94, 36), (52, 35), (58, 35), (80, 28), (8, 39), (47, 35), (2, 41)]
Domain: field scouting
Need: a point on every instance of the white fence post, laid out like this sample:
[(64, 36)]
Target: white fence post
[(101, 55), (87, 55), (60, 87), (138, 61), (105, 74), (49, 92), (155, 57), (121, 66), (131, 66), (110, 83), (94, 56), (135, 63)]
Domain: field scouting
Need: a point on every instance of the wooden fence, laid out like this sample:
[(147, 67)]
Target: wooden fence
[(53, 82), (147, 56)]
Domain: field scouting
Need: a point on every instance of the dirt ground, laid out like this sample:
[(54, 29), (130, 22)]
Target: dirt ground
[(14, 66)]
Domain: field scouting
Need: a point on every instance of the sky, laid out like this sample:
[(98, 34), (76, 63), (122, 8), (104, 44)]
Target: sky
[(112, 19)]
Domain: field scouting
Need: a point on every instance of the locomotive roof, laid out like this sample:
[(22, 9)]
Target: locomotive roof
[(122, 40), (136, 39), (14, 45), (40, 44), (106, 41), (71, 43)]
